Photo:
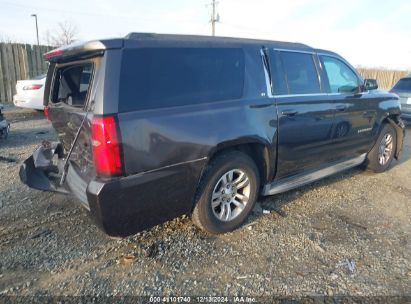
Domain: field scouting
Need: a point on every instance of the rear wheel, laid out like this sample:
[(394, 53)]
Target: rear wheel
[(381, 155), (227, 193)]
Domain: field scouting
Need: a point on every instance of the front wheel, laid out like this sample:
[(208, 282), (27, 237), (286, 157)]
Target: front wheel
[(381, 155), (227, 193)]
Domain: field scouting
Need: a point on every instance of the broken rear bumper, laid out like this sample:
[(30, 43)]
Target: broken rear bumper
[(124, 205), (42, 171), (40, 179)]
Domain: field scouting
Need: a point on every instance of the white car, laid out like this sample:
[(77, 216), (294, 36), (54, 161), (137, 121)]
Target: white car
[(30, 93)]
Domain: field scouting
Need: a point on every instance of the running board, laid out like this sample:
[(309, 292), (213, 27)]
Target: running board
[(294, 182)]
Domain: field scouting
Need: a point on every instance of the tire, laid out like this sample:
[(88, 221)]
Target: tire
[(213, 212), (378, 161)]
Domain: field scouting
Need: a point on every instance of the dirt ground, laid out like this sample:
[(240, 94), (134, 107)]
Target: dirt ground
[(347, 235)]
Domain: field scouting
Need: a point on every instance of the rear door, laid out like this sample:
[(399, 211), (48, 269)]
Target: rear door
[(305, 113), (68, 100), (356, 111)]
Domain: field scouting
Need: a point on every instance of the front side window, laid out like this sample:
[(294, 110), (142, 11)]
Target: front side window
[(302, 76), (341, 77)]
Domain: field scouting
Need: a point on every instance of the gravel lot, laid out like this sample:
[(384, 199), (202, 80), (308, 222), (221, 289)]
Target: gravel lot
[(49, 246)]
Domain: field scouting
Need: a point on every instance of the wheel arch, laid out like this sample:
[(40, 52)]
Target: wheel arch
[(259, 150), (399, 127), (395, 121)]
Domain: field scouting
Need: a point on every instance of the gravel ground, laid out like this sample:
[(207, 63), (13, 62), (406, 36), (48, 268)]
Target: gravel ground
[(304, 246)]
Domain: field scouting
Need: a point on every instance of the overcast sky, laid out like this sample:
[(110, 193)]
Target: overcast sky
[(366, 32)]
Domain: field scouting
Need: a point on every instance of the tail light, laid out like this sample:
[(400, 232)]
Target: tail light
[(46, 113), (53, 53), (106, 146), (32, 87)]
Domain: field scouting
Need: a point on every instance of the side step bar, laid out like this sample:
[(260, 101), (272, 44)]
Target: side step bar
[(303, 179)]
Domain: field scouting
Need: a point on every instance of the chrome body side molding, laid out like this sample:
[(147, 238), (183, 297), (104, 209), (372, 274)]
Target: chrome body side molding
[(306, 178)]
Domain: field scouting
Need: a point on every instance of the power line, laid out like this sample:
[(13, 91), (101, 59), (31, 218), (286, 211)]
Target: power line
[(214, 17)]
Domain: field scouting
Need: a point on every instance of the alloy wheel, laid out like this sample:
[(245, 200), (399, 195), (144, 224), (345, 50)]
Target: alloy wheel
[(385, 149), (230, 195)]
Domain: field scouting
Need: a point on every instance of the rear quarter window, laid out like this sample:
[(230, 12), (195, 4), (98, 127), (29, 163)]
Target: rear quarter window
[(166, 77)]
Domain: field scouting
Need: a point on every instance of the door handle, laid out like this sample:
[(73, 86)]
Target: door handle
[(289, 112), (341, 108)]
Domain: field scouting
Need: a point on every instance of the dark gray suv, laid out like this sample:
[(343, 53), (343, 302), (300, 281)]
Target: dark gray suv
[(155, 126)]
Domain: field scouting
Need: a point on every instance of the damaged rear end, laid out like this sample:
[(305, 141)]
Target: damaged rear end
[(88, 146)]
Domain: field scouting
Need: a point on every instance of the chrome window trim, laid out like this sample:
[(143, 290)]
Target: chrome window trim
[(301, 95), (315, 94), (294, 51), (335, 56)]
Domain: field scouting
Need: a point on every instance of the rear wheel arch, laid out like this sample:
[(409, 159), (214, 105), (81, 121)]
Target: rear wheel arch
[(208, 212), (261, 153)]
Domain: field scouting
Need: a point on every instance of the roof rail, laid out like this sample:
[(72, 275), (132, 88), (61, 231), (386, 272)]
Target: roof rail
[(136, 35)]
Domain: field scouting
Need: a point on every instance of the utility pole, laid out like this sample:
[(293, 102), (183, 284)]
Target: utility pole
[(214, 18), (37, 28)]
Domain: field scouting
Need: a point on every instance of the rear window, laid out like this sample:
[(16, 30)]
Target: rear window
[(302, 77), (165, 77), (403, 84), (71, 84)]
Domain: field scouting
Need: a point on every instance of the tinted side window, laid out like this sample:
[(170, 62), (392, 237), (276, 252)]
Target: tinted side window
[(165, 77), (403, 84), (277, 73), (341, 77), (302, 76)]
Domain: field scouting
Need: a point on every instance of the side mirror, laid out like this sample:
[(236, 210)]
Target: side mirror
[(370, 84)]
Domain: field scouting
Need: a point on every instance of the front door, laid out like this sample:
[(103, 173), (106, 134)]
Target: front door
[(356, 111)]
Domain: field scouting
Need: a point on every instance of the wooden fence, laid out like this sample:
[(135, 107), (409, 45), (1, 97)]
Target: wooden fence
[(386, 78), (19, 61)]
